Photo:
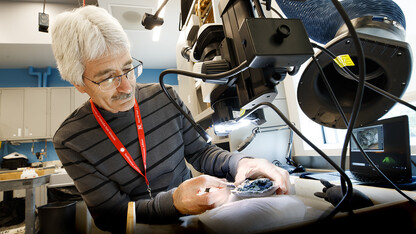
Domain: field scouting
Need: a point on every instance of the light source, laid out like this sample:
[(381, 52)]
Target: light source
[(381, 29), (227, 109), (150, 21)]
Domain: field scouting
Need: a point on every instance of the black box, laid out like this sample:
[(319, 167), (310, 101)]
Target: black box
[(271, 42)]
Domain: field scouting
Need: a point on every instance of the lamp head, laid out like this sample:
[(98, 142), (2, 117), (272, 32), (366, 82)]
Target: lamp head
[(150, 21), (388, 66), (227, 113)]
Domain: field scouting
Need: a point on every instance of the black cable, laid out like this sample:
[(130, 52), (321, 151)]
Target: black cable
[(360, 88), (242, 67), (275, 11), (338, 106), (319, 151), (290, 145)]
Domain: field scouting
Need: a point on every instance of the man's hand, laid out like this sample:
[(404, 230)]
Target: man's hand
[(187, 200), (254, 168)]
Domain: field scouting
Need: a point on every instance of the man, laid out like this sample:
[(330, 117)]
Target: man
[(129, 143)]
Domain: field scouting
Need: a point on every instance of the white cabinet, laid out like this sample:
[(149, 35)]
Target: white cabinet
[(11, 113), (79, 98), (23, 113), (63, 101), (60, 107), (35, 113)]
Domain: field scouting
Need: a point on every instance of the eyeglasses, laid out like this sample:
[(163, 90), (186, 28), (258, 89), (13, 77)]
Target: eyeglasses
[(114, 82)]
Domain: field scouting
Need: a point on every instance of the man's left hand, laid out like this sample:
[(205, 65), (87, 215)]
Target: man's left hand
[(255, 167)]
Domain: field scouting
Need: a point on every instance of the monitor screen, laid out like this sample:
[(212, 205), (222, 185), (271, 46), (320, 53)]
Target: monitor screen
[(387, 144), (369, 138)]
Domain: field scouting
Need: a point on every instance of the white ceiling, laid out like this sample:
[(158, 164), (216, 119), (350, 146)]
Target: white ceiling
[(160, 54), (155, 55)]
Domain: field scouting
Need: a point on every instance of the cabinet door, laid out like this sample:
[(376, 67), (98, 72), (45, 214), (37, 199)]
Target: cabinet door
[(60, 107), (79, 98), (11, 113), (35, 113)]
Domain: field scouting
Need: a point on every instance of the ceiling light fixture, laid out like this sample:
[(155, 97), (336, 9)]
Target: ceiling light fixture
[(43, 20), (150, 21)]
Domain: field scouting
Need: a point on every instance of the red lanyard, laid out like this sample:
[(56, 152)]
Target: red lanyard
[(117, 143)]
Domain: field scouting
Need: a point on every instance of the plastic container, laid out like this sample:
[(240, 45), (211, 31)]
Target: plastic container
[(57, 217)]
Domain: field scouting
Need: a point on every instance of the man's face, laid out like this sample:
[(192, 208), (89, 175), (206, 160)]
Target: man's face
[(116, 99)]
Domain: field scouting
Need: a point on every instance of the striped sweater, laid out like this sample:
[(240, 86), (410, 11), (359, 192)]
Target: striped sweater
[(105, 180)]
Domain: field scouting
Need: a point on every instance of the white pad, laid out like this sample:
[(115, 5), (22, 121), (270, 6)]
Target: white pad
[(254, 214)]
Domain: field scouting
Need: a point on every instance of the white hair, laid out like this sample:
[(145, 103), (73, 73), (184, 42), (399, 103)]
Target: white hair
[(82, 35)]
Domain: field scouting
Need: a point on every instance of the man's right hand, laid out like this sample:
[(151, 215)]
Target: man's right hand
[(187, 200)]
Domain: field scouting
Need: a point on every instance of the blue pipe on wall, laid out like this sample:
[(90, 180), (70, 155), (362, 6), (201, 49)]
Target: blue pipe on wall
[(45, 76), (38, 74), (42, 78)]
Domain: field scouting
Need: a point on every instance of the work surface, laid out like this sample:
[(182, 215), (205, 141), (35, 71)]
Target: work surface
[(15, 174), (300, 211), (12, 181)]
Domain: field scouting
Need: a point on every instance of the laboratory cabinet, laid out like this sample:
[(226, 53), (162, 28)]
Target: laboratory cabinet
[(35, 113), (22, 113), (60, 107), (11, 113)]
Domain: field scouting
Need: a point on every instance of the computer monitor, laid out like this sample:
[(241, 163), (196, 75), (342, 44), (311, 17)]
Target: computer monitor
[(387, 144), (371, 139)]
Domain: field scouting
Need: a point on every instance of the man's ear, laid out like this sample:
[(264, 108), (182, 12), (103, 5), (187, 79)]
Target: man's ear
[(80, 88)]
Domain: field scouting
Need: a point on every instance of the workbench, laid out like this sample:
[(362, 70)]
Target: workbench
[(390, 213), (10, 181)]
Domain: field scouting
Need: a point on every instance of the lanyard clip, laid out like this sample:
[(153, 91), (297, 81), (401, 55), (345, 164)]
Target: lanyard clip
[(150, 192)]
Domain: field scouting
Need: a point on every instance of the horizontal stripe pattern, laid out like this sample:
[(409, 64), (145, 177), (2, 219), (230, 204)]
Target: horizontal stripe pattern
[(105, 180)]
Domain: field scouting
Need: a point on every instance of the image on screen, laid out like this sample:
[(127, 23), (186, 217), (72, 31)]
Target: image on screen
[(370, 138)]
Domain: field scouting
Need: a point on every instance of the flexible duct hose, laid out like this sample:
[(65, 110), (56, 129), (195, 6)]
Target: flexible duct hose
[(322, 20)]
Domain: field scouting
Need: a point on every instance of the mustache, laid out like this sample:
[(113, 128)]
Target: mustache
[(122, 96)]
